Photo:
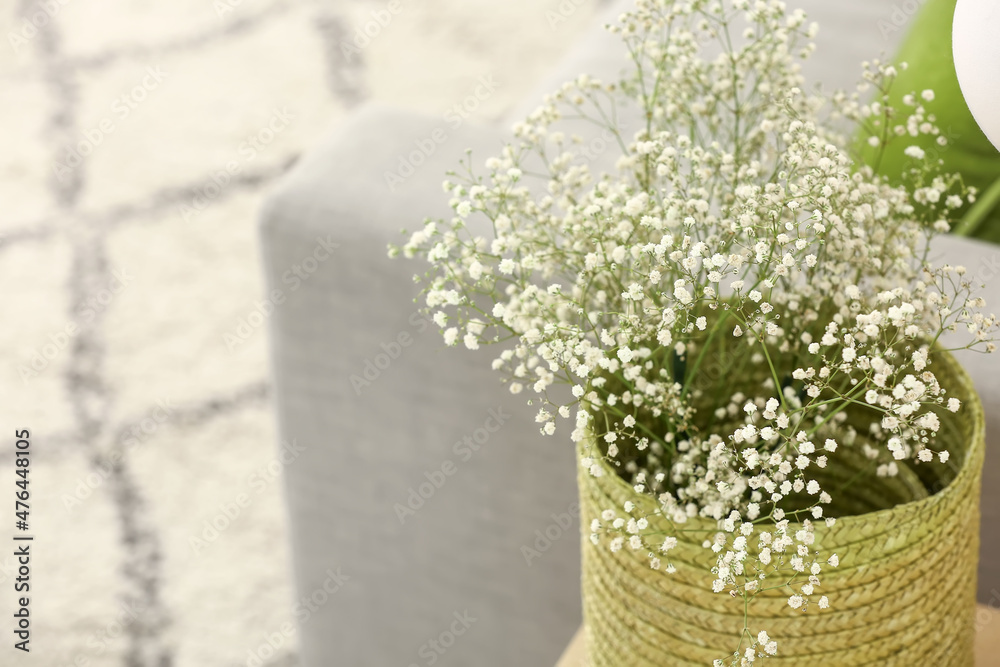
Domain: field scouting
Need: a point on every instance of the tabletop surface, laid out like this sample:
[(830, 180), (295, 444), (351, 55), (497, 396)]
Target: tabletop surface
[(987, 642)]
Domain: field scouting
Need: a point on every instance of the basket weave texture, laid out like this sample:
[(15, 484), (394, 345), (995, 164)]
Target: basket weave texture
[(903, 594)]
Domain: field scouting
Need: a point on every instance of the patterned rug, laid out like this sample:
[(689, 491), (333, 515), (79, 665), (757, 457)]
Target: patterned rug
[(139, 139)]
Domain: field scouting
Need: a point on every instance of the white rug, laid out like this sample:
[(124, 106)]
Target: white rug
[(138, 139)]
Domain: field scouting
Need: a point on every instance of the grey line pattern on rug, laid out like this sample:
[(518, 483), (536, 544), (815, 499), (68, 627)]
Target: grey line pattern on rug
[(136, 212), (344, 70), (238, 25), (89, 394), (140, 546)]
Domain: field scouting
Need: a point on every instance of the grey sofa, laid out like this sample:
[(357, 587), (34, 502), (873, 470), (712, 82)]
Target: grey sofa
[(446, 523)]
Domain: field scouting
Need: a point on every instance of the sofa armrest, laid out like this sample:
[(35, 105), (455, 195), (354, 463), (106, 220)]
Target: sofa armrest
[(420, 478)]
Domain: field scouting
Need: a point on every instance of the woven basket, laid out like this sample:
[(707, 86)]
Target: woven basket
[(903, 594)]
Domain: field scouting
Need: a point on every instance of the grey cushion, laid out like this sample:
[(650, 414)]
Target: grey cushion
[(982, 260), (477, 545), (408, 412)]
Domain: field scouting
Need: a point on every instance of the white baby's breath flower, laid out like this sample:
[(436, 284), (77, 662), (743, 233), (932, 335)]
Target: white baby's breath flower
[(732, 292), (681, 293)]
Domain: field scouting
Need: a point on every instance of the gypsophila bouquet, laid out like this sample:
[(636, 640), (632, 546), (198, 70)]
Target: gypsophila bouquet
[(722, 299)]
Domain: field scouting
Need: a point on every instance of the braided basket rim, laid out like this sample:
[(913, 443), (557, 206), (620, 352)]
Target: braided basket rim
[(972, 409)]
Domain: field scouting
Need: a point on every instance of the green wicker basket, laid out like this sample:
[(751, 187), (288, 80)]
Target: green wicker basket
[(903, 594)]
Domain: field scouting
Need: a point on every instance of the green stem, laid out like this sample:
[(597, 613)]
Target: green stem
[(864, 471), (701, 355), (979, 212), (851, 395)]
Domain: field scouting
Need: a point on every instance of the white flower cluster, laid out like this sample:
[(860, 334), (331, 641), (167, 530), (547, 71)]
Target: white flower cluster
[(719, 303)]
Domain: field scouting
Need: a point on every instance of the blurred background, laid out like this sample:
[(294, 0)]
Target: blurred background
[(138, 139)]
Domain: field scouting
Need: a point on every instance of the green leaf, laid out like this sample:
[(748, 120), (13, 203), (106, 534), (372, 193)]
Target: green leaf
[(927, 50)]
